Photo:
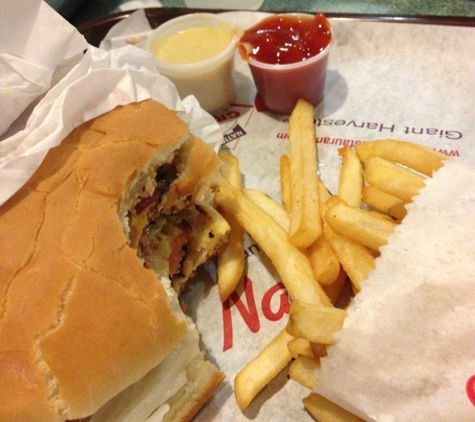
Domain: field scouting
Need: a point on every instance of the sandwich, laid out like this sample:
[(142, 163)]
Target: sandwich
[(94, 251)]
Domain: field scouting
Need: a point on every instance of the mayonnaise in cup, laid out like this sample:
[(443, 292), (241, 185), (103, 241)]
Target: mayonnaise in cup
[(196, 52)]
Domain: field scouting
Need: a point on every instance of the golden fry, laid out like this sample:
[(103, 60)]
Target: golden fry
[(270, 206), (356, 259), (392, 178), (285, 182), (417, 157), (384, 202), (368, 228), (324, 410), (305, 225), (291, 264), (230, 169), (397, 211), (300, 346), (230, 260), (325, 264), (302, 370), (323, 194), (334, 290), (319, 350), (262, 369), (316, 323), (351, 177)]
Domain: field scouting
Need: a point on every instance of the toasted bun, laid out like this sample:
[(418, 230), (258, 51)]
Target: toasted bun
[(203, 380), (80, 317)]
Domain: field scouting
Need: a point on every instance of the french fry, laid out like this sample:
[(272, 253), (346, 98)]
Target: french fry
[(351, 177), (323, 194), (230, 169), (305, 225), (325, 264), (334, 290), (398, 211), (230, 260), (417, 157), (291, 264), (325, 410), (302, 370), (285, 181), (356, 259), (270, 206), (384, 202), (392, 178), (316, 323), (319, 350), (262, 369), (365, 227), (300, 346)]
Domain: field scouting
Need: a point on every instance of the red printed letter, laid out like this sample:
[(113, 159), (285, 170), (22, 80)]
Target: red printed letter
[(283, 305), (249, 314), (470, 387)]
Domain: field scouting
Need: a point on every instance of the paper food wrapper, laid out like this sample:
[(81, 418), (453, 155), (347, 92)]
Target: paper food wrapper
[(98, 83), (375, 89), (35, 42), (406, 351)]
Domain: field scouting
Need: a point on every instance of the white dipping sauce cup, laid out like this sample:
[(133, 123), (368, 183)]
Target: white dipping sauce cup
[(280, 86), (211, 80)]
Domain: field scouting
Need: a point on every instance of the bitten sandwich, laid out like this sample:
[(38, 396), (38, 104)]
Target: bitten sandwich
[(94, 251)]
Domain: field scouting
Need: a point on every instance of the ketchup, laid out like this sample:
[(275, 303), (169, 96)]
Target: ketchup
[(284, 39)]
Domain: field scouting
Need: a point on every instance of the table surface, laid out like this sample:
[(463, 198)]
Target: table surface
[(79, 12)]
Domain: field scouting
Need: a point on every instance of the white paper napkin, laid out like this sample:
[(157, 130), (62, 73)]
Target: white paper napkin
[(34, 42), (134, 29), (100, 82)]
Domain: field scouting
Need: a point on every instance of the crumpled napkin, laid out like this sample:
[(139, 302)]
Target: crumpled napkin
[(35, 42), (135, 29), (100, 82)]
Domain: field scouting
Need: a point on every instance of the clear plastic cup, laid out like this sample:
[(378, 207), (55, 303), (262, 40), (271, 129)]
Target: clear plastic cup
[(211, 80), (280, 86)]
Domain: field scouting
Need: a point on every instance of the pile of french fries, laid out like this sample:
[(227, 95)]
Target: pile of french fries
[(320, 244)]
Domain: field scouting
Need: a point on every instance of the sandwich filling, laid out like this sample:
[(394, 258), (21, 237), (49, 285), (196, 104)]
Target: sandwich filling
[(172, 238)]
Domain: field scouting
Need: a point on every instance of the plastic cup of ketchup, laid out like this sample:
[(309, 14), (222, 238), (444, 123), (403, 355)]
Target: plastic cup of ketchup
[(288, 56), (196, 52)]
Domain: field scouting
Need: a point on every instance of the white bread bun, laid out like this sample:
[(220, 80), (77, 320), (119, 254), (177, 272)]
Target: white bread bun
[(81, 319)]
